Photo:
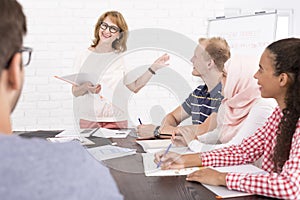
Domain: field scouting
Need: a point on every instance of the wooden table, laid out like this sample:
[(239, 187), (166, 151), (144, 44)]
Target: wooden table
[(132, 182)]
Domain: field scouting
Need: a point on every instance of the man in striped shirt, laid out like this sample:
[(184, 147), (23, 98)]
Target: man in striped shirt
[(208, 63)]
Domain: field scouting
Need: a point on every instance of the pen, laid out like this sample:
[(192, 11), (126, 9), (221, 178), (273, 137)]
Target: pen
[(140, 121), (159, 163), (94, 131)]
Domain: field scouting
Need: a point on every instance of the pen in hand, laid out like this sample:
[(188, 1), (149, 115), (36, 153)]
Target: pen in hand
[(167, 150), (140, 121)]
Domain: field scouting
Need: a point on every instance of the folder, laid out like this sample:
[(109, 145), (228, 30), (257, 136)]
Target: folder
[(78, 79)]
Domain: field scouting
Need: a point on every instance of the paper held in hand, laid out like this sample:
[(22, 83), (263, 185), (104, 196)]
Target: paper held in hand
[(78, 79)]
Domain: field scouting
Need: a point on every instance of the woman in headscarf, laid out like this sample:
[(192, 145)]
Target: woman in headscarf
[(241, 112)]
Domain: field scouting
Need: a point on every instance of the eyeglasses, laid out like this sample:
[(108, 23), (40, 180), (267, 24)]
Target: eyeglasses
[(26, 56), (112, 29)]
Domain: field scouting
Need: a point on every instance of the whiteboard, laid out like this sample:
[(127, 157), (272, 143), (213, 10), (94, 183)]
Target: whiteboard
[(246, 35)]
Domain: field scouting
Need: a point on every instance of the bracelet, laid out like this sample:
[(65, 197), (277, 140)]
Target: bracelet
[(151, 70)]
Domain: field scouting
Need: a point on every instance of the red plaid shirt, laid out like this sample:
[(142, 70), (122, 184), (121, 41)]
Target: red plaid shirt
[(284, 185)]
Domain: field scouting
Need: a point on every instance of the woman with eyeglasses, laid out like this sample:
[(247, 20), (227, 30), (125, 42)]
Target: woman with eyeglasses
[(99, 105)]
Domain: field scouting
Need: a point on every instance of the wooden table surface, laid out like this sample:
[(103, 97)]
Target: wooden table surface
[(133, 184)]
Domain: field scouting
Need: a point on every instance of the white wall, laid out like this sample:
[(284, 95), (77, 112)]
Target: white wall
[(261, 5), (59, 29)]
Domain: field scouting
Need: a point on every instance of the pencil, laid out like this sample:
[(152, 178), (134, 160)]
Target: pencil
[(159, 163)]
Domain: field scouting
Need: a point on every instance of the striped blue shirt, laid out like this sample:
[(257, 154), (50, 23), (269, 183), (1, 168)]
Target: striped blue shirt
[(201, 103)]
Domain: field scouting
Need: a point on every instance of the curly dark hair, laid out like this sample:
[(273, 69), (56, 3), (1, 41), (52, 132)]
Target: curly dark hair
[(286, 54)]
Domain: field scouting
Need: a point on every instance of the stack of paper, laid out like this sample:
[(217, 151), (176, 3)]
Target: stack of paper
[(150, 168), (223, 192), (108, 152)]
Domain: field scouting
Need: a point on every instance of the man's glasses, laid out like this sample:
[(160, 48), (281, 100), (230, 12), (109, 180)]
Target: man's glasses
[(26, 56), (112, 29)]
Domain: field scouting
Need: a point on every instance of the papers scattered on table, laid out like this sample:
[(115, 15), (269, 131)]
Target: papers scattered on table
[(150, 168), (109, 133), (71, 135), (82, 140), (108, 152), (223, 192)]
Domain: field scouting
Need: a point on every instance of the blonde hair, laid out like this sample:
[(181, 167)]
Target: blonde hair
[(119, 44), (217, 49)]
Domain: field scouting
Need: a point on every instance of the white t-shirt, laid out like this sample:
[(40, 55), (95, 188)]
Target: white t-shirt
[(256, 118), (110, 105)]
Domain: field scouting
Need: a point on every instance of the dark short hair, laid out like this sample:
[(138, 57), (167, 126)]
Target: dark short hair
[(12, 30)]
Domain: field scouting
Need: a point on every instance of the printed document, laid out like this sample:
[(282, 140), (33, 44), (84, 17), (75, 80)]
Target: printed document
[(108, 152), (150, 168)]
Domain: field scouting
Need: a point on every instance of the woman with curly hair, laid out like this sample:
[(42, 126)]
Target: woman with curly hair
[(278, 141), (103, 61)]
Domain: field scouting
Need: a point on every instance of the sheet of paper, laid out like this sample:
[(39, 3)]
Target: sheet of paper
[(106, 94), (223, 192), (150, 168), (82, 140), (110, 133), (154, 144), (75, 133), (179, 150), (108, 152), (78, 79)]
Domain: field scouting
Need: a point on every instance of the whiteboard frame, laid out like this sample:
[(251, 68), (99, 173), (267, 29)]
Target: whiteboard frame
[(257, 14)]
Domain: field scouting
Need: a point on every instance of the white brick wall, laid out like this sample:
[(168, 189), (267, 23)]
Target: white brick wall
[(59, 29)]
